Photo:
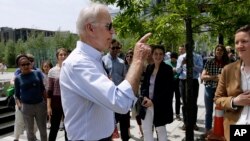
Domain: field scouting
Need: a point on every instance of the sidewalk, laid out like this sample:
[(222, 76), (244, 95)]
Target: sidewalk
[(173, 129), (6, 76)]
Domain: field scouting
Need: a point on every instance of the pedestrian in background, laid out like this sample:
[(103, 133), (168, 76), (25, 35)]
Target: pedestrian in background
[(117, 71), (210, 75), (181, 68), (19, 126), (30, 98), (54, 105), (135, 109), (173, 62), (157, 92), (45, 67)]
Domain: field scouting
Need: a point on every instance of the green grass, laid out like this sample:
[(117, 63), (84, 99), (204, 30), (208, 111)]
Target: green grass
[(11, 70)]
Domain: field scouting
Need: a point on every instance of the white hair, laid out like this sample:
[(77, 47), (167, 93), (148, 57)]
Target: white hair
[(88, 14)]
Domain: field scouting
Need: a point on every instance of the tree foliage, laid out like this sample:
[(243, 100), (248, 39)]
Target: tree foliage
[(9, 57), (43, 48), (165, 19)]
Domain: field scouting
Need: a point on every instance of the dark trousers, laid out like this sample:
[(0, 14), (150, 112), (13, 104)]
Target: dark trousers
[(57, 114), (177, 96), (124, 120), (182, 86)]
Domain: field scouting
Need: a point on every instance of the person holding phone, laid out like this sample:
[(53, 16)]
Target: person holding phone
[(157, 92)]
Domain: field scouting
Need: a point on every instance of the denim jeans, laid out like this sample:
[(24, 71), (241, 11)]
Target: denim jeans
[(209, 103)]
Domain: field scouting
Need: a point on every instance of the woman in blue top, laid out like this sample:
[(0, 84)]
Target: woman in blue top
[(30, 94)]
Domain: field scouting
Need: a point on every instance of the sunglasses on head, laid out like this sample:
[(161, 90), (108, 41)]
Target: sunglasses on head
[(25, 64), (113, 48)]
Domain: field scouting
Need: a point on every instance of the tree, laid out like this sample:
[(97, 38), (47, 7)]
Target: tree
[(65, 40), (10, 50), (166, 18), (2, 48)]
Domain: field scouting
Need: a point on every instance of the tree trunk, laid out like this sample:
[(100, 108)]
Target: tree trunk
[(189, 83)]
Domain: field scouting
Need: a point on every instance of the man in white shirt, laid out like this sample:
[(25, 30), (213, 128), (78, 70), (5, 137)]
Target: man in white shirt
[(89, 97)]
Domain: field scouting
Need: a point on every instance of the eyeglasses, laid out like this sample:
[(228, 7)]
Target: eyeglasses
[(109, 26), (113, 48), (26, 64), (129, 56)]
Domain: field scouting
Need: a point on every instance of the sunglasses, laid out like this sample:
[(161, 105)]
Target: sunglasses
[(113, 48), (109, 26), (26, 64)]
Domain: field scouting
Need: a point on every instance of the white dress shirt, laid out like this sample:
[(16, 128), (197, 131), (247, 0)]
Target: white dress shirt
[(89, 97), (245, 85)]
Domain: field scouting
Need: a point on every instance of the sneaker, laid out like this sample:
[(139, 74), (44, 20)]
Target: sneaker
[(183, 127), (196, 128), (178, 117), (48, 125), (203, 137), (61, 127)]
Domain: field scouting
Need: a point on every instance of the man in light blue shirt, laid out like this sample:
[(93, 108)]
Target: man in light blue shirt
[(181, 68), (117, 71), (89, 97)]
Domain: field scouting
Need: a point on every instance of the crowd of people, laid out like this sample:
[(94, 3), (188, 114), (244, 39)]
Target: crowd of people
[(92, 91)]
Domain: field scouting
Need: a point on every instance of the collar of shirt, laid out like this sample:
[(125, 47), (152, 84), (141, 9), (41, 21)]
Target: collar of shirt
[(89, 50)]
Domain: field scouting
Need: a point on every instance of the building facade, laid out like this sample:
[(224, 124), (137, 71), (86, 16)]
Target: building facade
[(7, 33)]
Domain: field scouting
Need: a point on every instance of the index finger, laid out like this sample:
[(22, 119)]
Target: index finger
[(144, 38)]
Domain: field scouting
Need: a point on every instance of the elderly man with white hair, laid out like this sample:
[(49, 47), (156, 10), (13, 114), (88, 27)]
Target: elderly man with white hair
[(89, 97)]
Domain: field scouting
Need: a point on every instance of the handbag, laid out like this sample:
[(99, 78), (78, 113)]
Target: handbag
[(141, 109), (11, 102), (10, 91)]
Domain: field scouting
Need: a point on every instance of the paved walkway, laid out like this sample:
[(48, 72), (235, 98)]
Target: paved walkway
[(174, 131), (6, 76)]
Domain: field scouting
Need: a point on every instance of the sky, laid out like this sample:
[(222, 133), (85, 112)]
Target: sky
[(42, 14)]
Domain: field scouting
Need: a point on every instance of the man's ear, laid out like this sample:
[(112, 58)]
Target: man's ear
[(89, 27)]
